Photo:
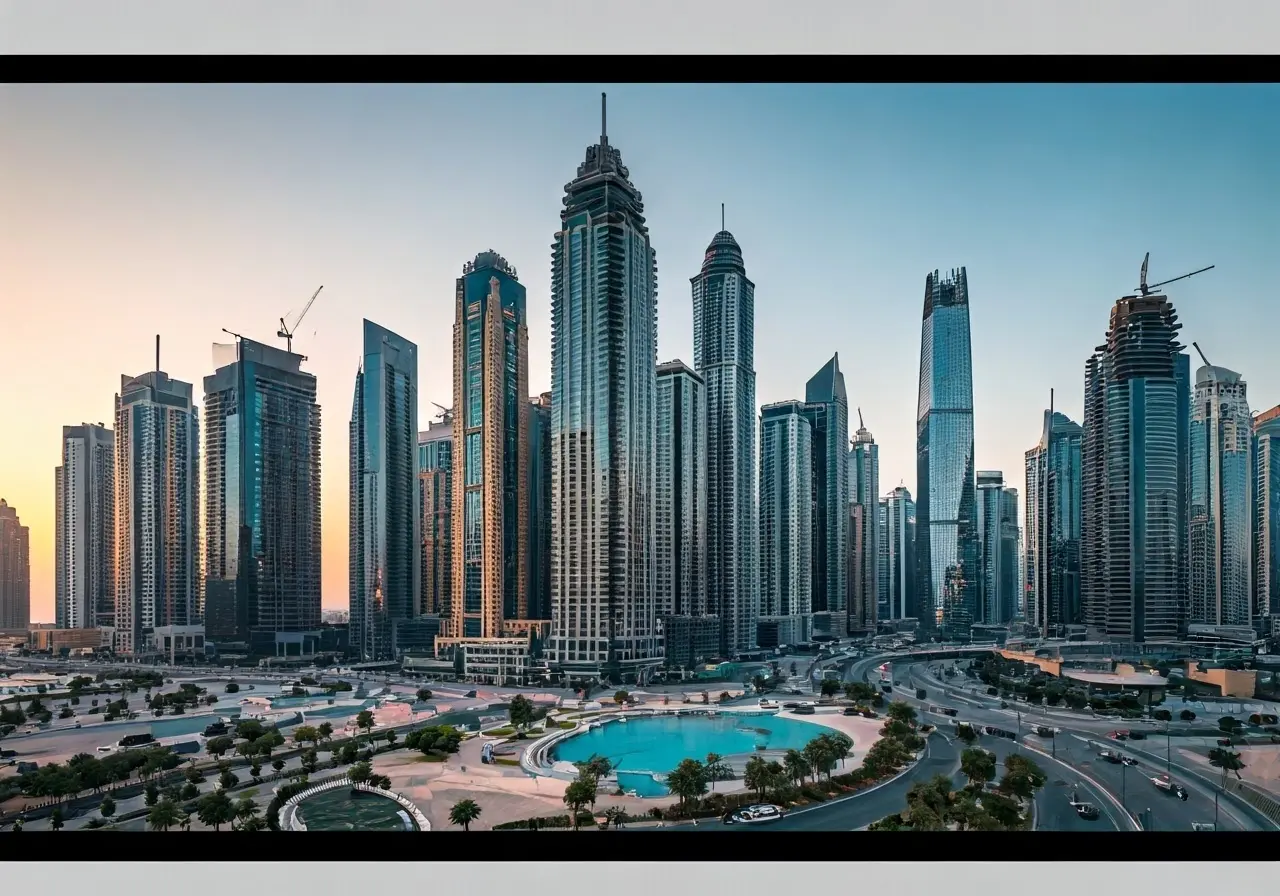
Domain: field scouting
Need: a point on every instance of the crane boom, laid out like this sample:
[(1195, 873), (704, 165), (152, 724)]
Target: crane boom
[(1145, 290), (286, 332), (861, 425), (1196, 346)]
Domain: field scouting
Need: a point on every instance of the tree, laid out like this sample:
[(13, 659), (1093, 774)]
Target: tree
[(965, 732), (756, 775), (310, 761), (595, 768), (364, 719), (859, 691), (189, 792), (760, 683), (1162, 715), (902, 712), (829, 687), (1228, 724), (616, 816), (255, 770), (277, 764), (1187, 715), (215, 809), (423, 695), (795, 766), (217, 746), (325, 730), (579, 793), (688, 780), (360, 772), (55, 819), (1022, 777), (463, 813), (152, 794), (817, 753), (1228, 760), (978, 765), (245, 811), (718, 768), (107, 807), (306, 734), (164, 815), (839, 747), (391, 737), (621, 698)]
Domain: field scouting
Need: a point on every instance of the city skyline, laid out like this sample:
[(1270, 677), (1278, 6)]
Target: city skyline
[(681, 206)]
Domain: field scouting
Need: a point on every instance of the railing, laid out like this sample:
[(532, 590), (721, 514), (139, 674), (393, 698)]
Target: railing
[(290, 820)]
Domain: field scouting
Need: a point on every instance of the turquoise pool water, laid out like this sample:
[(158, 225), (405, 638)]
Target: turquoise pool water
[(641, 747)]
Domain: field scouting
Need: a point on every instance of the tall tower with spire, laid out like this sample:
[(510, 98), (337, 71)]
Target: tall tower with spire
[(724, 355), (604, 322), (864, 533)]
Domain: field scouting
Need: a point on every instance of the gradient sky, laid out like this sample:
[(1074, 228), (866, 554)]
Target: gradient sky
[(127, 211)]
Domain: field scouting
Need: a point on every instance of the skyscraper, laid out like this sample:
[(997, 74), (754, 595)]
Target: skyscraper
[(946, 509), (901, 538), (1131, 507), (864, 536), (787, 535), (991, 555), (539, 553), (827, 407), (85, 529), (15, 570), (1051, 571), (1221, 577), (724, 355), (435, 495), (157, 508), (1010, 558), (882, 549), (603, 398), (680, 489), (1267, 513), (385, 546), (490, 449), (262, 487)]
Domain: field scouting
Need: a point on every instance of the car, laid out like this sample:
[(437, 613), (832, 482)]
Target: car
[(948, 711), (1111, 756), (756, 814), (1118, 735), (1087, 811), (1137, 735)]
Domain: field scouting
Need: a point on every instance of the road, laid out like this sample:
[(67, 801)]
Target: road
[(1078, 746)]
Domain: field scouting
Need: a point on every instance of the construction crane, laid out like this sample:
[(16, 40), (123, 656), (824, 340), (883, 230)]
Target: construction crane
[(445, 415), (861, 425), (1196, 346), (286, 332), (1145, 290)]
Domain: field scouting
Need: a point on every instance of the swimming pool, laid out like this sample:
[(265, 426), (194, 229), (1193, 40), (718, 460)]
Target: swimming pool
[(647, 745)]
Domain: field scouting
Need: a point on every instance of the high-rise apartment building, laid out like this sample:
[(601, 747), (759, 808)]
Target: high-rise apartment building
[(603, 426), (1266, 525), (724, 356), (15, 570), (490, 450), (787, 531), (435, 502), (262, 494), (1131, 449), (864, 532), (901, 537), (85, 529), (1221, 574), (946, 502), (1011, 558), (157, 508), (539, 553), (385, 538), (680, 492), (826, 405), (1051, 569), (990, 485), (882, 550)]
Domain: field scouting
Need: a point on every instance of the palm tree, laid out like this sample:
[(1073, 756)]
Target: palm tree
[(615, 815), (215, 809), (578, 794), (756, 775), (796, 766), (164, 815), (246, 810), (463, 813)]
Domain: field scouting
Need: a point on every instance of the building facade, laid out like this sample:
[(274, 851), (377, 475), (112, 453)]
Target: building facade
[(85, 529), (991, 554), (1131, 450), (157, 509), (826, 405), (603, 426), (1222, 570), (724, 356), (15, 570), (539, 553), (262, 489), (1267, 513), (864, 532), (901, 597), (882, 548), (435, 497), (787, 532), (680, 489), (946, 500), (490, 450), (1051, 571), (1010, 559), (385, 521)]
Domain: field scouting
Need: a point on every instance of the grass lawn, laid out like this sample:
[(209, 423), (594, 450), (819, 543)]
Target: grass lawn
[(499, 732)]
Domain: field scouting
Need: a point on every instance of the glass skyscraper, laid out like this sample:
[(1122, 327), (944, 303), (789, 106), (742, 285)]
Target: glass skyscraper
[(863, 575), (262, 489), (787, 532), (385, 545), (1267, 513), (724, 356), (1132, 449), (604, 325), (490, 449), (1051, 571), (1221, 574), (680, 487), (539, 553), (826, 405), (946, 502), (901, 538), (991, 554), (435, 495), (85, 528)]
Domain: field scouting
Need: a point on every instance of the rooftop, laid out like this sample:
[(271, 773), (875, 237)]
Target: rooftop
[(1135, 680)]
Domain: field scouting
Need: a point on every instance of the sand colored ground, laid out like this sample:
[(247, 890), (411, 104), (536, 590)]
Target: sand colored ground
[(506, 793), (1261, 765)]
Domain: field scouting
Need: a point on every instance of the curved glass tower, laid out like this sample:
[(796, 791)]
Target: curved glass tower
[(946, 500), (604, 355)]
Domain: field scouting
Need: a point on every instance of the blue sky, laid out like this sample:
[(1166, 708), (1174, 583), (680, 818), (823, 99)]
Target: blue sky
[(134, 210)]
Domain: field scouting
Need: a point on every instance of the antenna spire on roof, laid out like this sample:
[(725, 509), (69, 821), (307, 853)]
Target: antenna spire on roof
[(604, 119), (722, 216)]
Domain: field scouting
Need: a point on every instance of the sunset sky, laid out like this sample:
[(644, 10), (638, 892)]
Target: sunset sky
[(127, 211)]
